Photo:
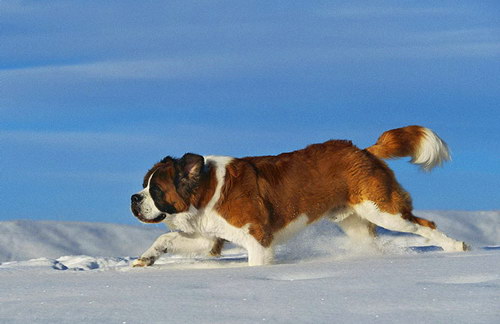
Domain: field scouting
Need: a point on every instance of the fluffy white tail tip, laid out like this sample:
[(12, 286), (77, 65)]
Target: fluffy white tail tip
[(431, 152)]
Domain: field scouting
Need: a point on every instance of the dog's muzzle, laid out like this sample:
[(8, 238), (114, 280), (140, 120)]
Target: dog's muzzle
[(136, 207)]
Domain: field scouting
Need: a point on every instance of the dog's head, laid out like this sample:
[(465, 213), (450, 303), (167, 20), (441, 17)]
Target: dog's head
[(168, 188)]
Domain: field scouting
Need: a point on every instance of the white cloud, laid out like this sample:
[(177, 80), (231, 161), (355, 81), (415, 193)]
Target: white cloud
[(436, 51), (168, 68), (231, 65), (94, 176), (76, 139), (14, 7), (461, 35), (386, 11)]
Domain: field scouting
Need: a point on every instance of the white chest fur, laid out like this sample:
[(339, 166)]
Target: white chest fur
[(207, 221)]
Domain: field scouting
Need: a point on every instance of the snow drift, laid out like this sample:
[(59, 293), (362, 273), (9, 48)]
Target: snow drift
[(23, 240), (81, 273)]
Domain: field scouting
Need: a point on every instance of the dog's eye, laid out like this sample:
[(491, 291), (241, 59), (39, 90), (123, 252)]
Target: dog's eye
[(156, 191)]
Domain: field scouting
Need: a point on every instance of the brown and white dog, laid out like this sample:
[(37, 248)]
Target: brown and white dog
[(258, 202)]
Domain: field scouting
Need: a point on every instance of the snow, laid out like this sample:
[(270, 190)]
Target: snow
[(23, 239), (80, 272)]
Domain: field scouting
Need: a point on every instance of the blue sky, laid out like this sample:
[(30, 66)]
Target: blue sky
[(92, 93)]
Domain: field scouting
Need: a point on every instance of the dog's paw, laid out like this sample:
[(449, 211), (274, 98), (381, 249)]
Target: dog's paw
[(143, 262), (456, 246)]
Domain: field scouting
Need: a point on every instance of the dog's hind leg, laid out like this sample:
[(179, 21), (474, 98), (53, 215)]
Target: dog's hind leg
[(406, 222), (259, 255), (360, 232), (358, 229), (177, 243), (355, 227)]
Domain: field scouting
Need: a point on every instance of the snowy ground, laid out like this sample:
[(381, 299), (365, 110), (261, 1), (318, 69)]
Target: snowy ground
[(82, 273)]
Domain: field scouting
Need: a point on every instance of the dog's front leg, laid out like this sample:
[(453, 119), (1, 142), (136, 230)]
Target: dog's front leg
[(184, 222), (177, 243)]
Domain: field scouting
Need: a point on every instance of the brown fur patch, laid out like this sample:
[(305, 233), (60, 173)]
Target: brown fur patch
[(206, 189), (397, 142), (424, 222), (164, 174), (217, 247), (269, 192)]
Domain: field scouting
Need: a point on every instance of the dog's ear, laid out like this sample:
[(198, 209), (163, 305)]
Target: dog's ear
[(191, 165), (189, 169)]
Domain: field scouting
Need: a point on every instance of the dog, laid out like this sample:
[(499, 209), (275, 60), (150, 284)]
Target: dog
[(259, 202)]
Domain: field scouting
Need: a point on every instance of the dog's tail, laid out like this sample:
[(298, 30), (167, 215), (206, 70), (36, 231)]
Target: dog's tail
[(424, 146)]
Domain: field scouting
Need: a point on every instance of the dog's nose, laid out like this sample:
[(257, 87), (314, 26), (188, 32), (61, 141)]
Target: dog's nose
[(136, 198)]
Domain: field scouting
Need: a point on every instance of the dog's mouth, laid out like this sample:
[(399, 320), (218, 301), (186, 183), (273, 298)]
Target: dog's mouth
[(141, 217), (157, 219)]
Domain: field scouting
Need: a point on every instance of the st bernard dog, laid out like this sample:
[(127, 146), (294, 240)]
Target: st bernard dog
[(259, 202)]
